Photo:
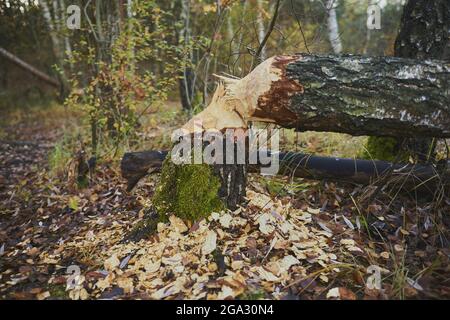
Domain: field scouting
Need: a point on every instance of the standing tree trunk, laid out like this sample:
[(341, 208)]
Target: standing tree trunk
[(56, 42), (333, 27), (424, 34), (261, 28), (349, 94), (186, 82), (67, 45)]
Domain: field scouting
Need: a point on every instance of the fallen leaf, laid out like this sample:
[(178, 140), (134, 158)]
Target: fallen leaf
[(266, 275), (264, 225), (334, 293), (124, 262), (225, 220), (385, 255), (348, 223), (43, 295), (112, 263), (177, 224), (210, 243), (226, 292), (346, 294)]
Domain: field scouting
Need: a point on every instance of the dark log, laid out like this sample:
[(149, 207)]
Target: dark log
[(135, 165), (29, 68)]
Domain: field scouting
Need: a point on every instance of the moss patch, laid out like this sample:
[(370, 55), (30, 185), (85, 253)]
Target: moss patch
[(58, 292), (188, 191), (384, 148), (252, 295)]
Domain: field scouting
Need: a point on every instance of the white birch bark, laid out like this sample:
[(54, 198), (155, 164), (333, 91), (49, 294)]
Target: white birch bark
[(261, 28), (333, 27), (68, 47), (51, 26), (186, 36)]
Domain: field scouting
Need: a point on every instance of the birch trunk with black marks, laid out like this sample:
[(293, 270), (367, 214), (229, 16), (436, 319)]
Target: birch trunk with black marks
[(424, 34), (349, 94)]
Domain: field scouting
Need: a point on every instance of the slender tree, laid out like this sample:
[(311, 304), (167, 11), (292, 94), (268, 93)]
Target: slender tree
[(333, 27)]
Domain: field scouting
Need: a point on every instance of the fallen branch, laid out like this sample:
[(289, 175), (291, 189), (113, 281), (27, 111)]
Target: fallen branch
[(29, 68), (136, 165)]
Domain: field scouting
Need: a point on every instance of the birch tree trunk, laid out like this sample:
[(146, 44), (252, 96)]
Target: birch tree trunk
[(51, 27), (56, 43), (68, 47), (424, 34), (261, 28), (333, 27), (345, 93), (186, 83)]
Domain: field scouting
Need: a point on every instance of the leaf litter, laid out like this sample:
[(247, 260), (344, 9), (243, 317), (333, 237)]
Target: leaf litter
[(276, 247)]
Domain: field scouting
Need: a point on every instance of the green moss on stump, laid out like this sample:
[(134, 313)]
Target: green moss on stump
[(384, 148), (188, 191)]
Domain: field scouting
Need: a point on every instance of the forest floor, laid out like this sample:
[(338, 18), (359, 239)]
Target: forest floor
[(292, 240)]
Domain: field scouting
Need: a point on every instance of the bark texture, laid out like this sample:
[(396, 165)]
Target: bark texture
[(425, 30), (233, 180), (356, 95), (424, 34)]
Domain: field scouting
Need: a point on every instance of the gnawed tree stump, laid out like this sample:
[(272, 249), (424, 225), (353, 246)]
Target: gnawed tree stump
[(349, 94), (194, 190)]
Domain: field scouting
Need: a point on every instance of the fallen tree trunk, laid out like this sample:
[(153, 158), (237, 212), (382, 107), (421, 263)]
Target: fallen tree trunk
[(29, 68), (350, 94), (136, 165)]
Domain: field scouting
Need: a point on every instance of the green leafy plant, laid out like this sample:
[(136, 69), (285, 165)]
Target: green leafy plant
[(125, 85)]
